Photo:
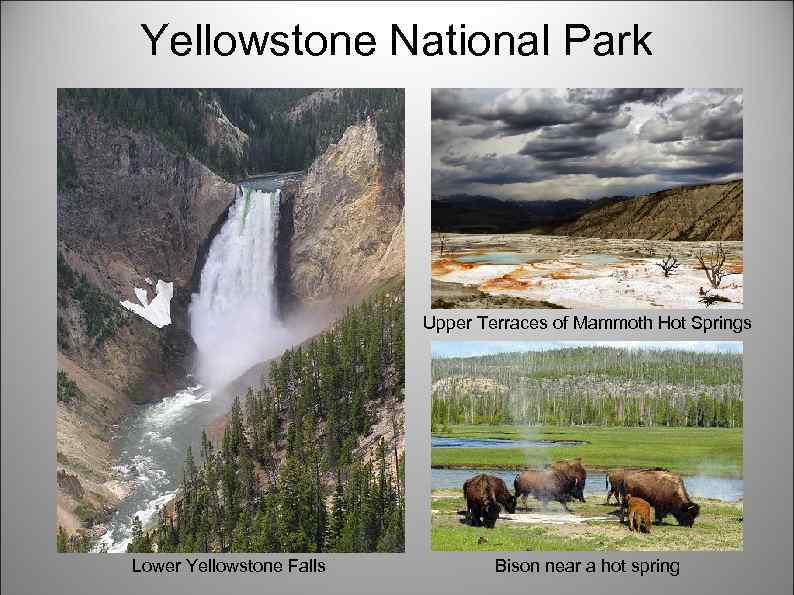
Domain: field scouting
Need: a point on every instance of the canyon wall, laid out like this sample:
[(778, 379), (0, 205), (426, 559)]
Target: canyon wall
[(133, 210), (348, 219)]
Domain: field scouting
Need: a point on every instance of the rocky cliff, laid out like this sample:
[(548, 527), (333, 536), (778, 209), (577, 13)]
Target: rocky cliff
[(136, 211), (133, 210), (347, 219), (85, 423), (694, 213), (220, 132)]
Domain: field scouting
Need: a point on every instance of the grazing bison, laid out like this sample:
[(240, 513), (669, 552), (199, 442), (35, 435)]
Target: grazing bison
[(484, 494), (545, 485), (639, 514), (575, 471), (664, 491), (614, 479)]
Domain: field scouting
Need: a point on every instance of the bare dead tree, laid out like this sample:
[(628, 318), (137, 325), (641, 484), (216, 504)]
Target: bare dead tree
[(442, 241), (709, 299), (668, 265), (713, 264)]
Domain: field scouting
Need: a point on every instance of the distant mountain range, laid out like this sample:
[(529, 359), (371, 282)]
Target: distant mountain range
[(485, 214), (695, 213)]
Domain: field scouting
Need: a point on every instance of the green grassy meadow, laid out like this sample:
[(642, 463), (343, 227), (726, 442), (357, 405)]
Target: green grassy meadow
[(688, 451), (718, 528)]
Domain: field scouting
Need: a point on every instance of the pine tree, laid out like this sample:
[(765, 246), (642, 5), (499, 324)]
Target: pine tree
[(62, 540), (140, 542), (316, 395)]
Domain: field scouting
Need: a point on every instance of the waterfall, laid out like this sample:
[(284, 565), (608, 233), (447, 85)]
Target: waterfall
[(234, 319)]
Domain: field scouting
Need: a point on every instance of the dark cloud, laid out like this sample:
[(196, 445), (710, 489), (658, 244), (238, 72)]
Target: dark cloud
[(731, 150), (595, 167), (490, 168), (527, 112), (451, 104), (551, 149), (662, 130), (723, 122), (612, 99), (600, 123), (688, 111), (551, 139), (590, 112)]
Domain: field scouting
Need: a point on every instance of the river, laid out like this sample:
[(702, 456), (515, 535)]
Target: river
[(151, 449), (698, 486), (235, 324)]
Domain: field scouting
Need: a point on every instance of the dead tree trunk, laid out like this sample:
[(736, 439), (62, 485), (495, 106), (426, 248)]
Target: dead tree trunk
[(442, 242), (668, 265), (713, 264)]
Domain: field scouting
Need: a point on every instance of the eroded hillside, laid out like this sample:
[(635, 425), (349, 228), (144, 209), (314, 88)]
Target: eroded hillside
[(348, 218), (693, 213)]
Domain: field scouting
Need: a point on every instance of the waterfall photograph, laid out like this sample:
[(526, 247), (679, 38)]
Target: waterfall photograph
[(230, 320)]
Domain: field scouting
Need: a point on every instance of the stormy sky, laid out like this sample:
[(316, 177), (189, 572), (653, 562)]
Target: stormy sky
[(583, 143)]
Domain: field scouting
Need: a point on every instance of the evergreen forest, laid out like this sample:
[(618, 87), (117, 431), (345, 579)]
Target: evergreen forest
[(280, 137), (289, 473), (602, 386)]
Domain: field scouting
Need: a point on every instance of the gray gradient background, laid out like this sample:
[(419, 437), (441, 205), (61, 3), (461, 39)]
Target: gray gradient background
[(46, 46)]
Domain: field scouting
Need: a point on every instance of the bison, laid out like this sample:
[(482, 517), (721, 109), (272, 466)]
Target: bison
[(613, 480), (502, 494), (639, 514), (663, 490), (545, 485), (484, 494), (575, 471)]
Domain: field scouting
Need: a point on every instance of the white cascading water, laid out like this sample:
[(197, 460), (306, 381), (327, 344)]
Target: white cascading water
[(235, 324), (234, 320)]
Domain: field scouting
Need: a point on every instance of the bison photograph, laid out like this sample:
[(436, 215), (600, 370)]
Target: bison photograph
[(602, 445)]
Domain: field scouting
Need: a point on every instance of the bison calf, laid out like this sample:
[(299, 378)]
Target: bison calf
[(639, 514)]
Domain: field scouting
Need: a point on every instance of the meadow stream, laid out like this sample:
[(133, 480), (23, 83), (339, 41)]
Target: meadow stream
[(699, 486)]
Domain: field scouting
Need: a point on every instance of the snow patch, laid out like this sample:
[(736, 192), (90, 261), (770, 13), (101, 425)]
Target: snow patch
[(158, 311)]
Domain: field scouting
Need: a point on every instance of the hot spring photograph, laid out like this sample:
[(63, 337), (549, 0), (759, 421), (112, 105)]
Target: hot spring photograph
[(616, 198), (230, 320), (587, 446)]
